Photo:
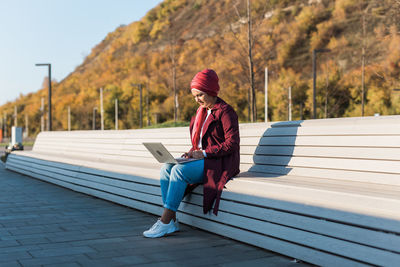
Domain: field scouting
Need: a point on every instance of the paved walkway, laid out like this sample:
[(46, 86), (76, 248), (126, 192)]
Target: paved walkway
[(42, 224)]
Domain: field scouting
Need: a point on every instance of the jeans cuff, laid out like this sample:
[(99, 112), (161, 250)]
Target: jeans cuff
[(167, 206)]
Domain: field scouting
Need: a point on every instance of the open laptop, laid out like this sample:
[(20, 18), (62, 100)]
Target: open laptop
[(161, 153)]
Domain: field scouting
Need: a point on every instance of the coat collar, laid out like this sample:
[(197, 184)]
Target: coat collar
[(212, 116), (217, 104)]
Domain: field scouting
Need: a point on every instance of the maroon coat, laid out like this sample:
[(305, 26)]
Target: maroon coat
[(220, 141)]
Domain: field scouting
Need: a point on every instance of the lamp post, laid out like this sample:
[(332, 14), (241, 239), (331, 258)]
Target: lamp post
[(140, 103), (2, 130), (116, 114), (266, 95), (69, 118), (26, 125), (49, 112), (289, 103), (314, 68), (94, 118), (101, 109), (5, 124), (15, 116)]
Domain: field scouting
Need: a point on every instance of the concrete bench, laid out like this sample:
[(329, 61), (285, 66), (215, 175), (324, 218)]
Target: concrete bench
[(323, 191)]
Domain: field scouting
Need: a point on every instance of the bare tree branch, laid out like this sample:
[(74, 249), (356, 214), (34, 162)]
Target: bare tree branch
[(236, 37), (237, 11)]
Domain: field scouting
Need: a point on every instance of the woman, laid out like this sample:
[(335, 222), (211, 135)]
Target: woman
[(215, 140)]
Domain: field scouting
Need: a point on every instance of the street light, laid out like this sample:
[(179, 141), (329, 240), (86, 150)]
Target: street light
[(94, 118), (140, 103), (266, 95), (102, 109), (49, 112), (69, 118), (116, 113), (5, 124), (314, 67)]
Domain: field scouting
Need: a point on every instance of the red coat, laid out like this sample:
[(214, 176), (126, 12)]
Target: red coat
[(220, 141)]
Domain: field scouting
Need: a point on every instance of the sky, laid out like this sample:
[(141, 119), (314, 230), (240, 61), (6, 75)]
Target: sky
[(60, 32)]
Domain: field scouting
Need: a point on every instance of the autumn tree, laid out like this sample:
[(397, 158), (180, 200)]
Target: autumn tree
[(247, 40), (175, 47), (178, 38)]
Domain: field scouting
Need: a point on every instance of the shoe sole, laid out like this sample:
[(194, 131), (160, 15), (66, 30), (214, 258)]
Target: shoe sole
[(168, 233)]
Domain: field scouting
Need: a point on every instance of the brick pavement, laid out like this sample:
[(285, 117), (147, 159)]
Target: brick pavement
[(42, 224)]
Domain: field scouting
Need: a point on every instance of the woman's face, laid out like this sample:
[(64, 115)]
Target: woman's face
[(203, 99)]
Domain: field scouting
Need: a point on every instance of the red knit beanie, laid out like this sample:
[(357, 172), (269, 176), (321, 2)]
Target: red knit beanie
[(206, 81)]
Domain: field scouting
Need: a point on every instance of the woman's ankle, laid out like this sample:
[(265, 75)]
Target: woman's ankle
[(167, 216)]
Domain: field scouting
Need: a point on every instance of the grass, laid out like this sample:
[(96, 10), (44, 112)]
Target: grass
[(24, 144), (28, 143)]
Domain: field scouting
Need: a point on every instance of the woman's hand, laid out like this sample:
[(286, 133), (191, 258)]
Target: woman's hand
[(187, 155), (197, 154)]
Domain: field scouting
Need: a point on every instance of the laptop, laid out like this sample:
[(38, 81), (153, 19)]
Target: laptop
[(161, 153)]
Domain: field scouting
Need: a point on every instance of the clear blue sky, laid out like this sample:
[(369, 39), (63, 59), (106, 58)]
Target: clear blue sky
[(60, 32)]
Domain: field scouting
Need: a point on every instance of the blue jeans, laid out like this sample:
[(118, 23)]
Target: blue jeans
[(175, 177)]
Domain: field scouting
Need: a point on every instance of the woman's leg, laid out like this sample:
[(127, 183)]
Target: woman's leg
[(174, 180), (165, 173), (180, 176)]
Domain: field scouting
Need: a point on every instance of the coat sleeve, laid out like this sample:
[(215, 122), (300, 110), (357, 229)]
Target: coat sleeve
[(230, 125)]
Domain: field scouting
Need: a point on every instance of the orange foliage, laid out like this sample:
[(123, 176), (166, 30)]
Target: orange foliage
[(141, 53)]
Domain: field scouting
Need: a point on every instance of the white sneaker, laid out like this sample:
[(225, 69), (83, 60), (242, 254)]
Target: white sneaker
[(160, 229), (176, 225)]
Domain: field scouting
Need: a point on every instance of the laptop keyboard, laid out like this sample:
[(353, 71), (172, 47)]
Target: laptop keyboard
[(183, 159)]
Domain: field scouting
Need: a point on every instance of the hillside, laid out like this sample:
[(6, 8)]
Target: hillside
[(189, 35)]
